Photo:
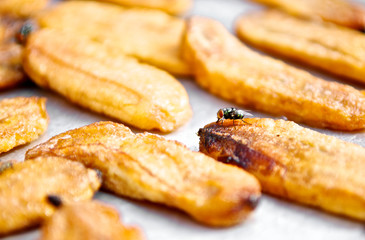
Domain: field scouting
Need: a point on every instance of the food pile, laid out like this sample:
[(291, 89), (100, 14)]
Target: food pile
[(121, 59)]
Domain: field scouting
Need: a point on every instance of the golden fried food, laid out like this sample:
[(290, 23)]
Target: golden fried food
[(22, 120), (152, 36), (341, 12), (90, 220), (11, 72), (22, 8), (227, 68), (293, 162), (24, 188), (175, 7), (106, 82), (333, 48), (149, 167), (9, 27)]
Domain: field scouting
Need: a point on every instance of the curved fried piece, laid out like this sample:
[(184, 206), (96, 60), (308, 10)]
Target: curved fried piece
[(341, 12), (11, 73), (152, 36), (332, 48), (229, 69), (106, 82), (24, 188), (22, 120), (22, 8), (148, 167), (175, 7), (293, 162), (91, 220), (9, 27)]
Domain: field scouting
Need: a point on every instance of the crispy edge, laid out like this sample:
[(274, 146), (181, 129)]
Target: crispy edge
[(224, 142), (78, 220), (23, 130)]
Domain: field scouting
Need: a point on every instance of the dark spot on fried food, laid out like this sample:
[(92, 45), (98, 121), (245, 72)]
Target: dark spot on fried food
[(253, 201), (54, 200), (99, 173), (5, 166), (24, 32)]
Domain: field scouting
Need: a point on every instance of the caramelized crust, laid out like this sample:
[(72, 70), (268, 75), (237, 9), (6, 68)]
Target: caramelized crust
[(152, 36), (293, 162), (24, 188), (105, 81), (148, 167), (332, 48), (341, 12), (91, 220), (175, 7), (22, 8), (22, 120), (227, 68)]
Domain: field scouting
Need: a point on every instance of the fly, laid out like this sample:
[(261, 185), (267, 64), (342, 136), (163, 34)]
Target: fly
[(231, 113)]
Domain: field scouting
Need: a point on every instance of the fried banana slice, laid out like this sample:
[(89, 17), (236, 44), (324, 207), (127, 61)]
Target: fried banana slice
[(24, 188), (329, 47), (227, 68), (175, 7), (22, 8), (152, 36), (9, 27), (149, 167), (11, 72), (79, 220), (106, 82), (293, 162), (22, 120), (341, 12)]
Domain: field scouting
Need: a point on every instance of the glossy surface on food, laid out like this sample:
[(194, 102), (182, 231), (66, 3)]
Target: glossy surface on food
[(91, 220), (227, 68), (24, 188), (293, 162), (22, 8), (341, 12), (169, 6), (149, 167), (152, 36), (106, 82), (22, 120), (335, 49)]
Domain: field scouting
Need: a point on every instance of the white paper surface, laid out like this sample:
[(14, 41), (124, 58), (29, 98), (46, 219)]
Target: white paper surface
[(273, 219)]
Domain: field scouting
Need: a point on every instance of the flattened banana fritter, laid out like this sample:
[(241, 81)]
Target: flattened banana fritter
[(22, 120), (149, 167), (170, 6), (88, 220), (229, 69), (107, 82), (293, 162), (24, 188), (341, 12), (11, 72), (152, 36), (332, 48)]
